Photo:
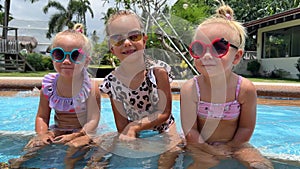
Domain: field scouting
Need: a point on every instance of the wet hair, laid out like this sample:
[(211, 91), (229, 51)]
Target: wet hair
[(224, 14), (82, 40), (120, 13)]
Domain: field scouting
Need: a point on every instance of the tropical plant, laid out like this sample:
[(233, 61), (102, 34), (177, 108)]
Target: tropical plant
[(64, 16), (297, 65), (253, 66)]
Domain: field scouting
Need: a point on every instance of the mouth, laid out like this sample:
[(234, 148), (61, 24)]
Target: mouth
[(66, 68), (208, 65), (127, 52)]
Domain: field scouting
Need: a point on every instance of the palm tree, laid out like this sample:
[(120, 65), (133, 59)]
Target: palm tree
[(64, 16)]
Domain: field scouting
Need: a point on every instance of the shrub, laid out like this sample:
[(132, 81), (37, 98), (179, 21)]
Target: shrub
[(47, 62), (279, 73), (35, 60), (253, 66), (297, 65)]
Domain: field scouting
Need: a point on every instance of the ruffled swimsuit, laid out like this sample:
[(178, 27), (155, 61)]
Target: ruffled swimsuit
[(226, 111), (141, 102), (76, 104)]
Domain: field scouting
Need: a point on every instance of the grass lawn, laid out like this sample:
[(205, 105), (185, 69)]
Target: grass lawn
[(42, 73)]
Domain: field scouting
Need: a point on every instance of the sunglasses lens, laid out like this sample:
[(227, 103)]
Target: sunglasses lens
[(135, 36), (57, 54), (116, 40), (220, 48), (76, 56), (196, 50)]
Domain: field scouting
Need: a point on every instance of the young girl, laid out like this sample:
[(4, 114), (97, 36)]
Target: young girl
[(218, 107), (71, 93), (139, 88)]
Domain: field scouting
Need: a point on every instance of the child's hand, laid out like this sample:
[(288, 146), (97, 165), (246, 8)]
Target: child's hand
[(40, 140), (128, 134), (127, 137), (62, 139), (79, 141), (213, 150), (228, 151)]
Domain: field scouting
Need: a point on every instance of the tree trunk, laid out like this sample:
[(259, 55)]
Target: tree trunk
[(6, 17)]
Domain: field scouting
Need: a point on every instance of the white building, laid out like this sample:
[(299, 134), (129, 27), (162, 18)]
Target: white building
[(278, 41)]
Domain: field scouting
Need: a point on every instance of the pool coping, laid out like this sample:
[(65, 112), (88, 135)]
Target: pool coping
[(287, 90)]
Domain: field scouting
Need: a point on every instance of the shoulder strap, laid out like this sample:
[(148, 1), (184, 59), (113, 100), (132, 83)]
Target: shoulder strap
[(238, 87), (197, 86)]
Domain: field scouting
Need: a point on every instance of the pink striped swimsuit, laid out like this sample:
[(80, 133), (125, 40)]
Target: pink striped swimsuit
[(224, 111)]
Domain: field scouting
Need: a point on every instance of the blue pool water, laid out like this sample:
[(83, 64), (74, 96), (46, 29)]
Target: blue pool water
[(276, 135)]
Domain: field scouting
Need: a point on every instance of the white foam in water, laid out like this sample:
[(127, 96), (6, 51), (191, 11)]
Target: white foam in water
[(283, 156), (34, 92), (23, 133)]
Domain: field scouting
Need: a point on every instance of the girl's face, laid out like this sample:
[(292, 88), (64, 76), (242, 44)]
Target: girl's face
[(67, 68), (208, 64), (126, 38)]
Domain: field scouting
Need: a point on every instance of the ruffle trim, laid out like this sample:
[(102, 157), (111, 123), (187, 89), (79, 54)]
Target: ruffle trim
[(151, 64), (61, 103)]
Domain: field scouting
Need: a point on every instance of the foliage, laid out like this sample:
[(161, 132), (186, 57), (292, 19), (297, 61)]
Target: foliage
[(39, 62), (64, 16), (297, 65), (2, 15), (279, 73), (110, 59), (192, 11), (35, 60), (253, 66), (47, 63)]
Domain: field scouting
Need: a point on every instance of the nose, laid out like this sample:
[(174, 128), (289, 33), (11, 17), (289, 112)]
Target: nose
[(67, 60), (127, 42), (207, 54)]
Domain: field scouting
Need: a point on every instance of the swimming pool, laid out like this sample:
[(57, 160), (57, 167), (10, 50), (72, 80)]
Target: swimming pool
[(276, 135)]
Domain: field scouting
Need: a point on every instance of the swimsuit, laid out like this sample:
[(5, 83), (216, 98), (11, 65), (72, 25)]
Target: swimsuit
[(76, 104), (141, 102), (225, 111)]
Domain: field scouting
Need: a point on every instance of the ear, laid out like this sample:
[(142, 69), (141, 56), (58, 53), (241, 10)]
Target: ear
[(87, 61), (238, 56), (111, 49), (145, 38)]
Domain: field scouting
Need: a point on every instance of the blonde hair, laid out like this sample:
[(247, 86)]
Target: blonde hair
[(118, 14), (225, 15), (79, 27), (82, 40)]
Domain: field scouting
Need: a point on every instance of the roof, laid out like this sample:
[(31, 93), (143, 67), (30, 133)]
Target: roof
[(25, 40), (285, 16)]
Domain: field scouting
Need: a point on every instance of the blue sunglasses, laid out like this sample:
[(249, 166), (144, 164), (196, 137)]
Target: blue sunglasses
[(59, 55)]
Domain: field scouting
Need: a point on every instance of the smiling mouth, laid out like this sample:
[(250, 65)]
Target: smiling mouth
[(128, 52)]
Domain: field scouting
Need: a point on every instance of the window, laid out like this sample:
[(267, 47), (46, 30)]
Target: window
[(281, 43)]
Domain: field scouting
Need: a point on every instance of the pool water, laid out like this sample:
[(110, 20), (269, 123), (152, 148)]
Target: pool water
[(276, 135)]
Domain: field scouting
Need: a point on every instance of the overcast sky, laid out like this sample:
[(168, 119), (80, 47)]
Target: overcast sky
[(24, 10)]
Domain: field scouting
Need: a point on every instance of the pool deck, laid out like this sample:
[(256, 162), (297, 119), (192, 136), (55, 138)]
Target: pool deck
[(287, 91)]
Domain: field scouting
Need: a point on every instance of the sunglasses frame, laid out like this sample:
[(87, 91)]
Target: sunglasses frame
[(211, 48), (126, 36), (67, 53)]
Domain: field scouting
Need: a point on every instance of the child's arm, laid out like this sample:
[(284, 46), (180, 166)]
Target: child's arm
[(163, 107), (120, 116), (42, 120), (248, 101), (188, 114), (93, 110)]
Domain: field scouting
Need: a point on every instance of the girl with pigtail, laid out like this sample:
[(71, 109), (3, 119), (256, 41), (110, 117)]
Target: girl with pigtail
[(218, 107)]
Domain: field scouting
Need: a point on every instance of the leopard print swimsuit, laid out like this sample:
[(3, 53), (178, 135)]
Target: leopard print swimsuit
[(138, 103)]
